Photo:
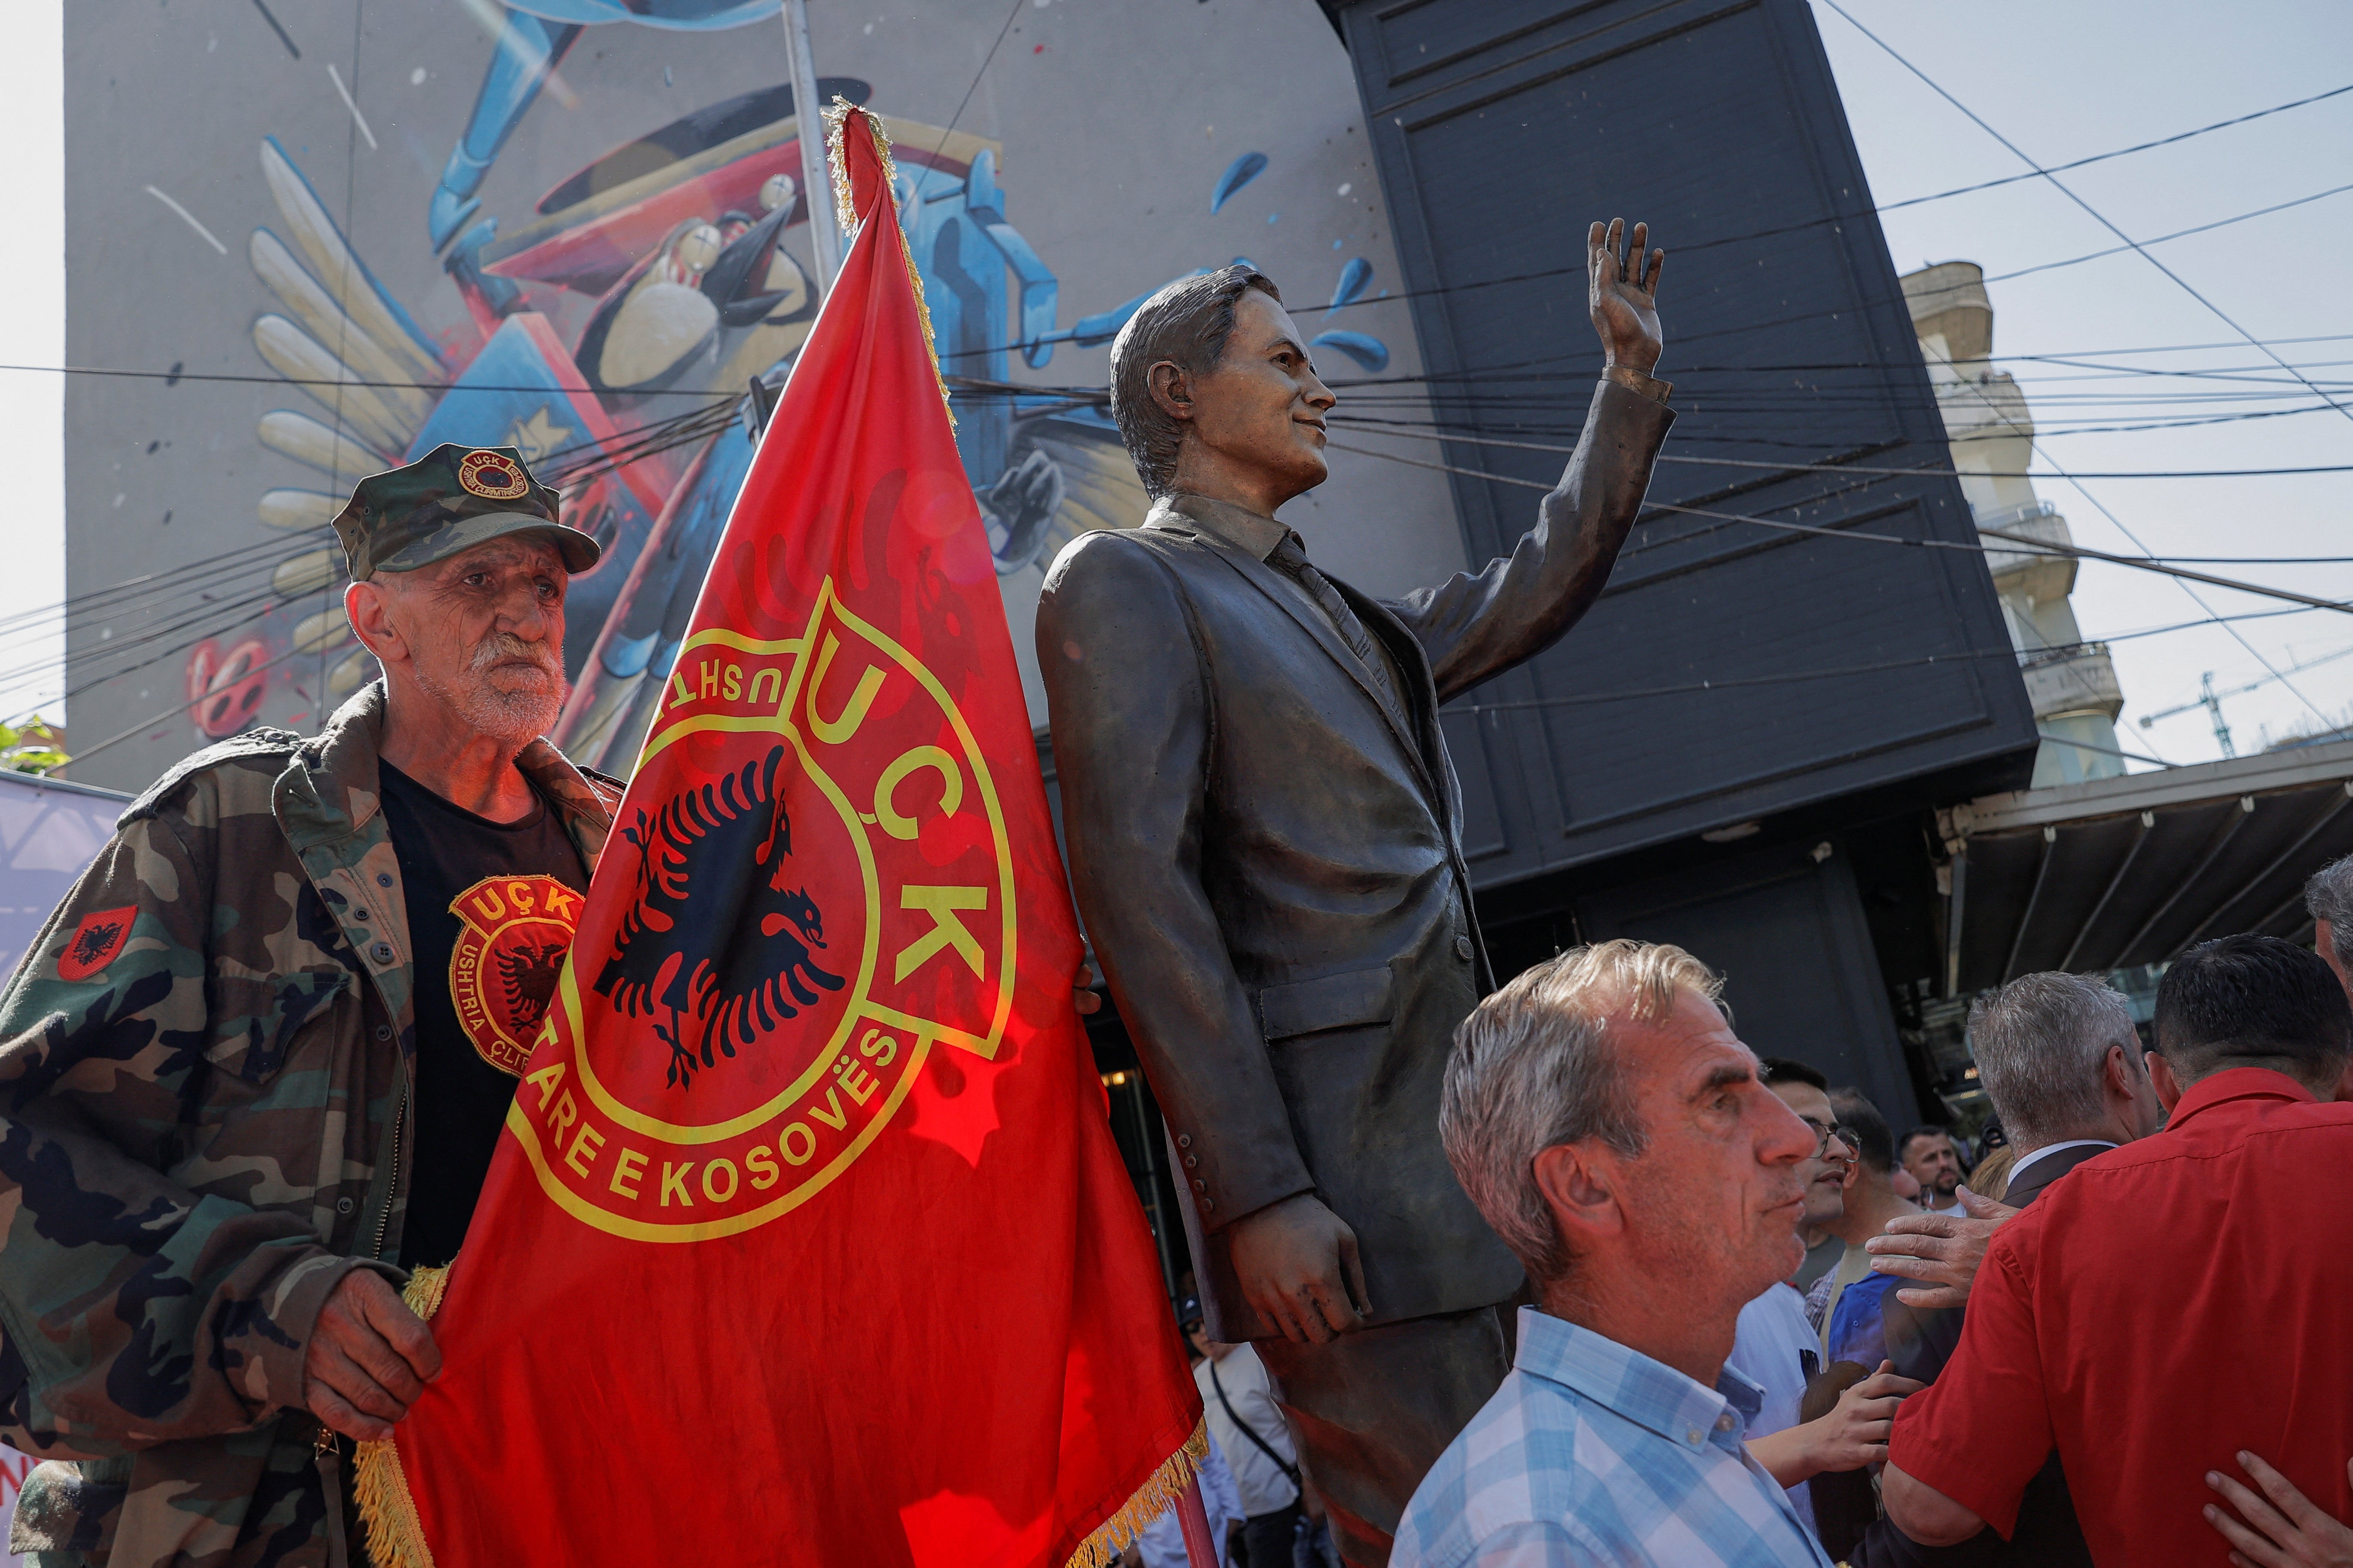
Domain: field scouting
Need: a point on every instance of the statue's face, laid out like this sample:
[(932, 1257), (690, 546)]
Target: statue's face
[(1262, 409)]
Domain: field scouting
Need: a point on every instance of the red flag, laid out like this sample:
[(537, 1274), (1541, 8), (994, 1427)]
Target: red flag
[(807, 1242)]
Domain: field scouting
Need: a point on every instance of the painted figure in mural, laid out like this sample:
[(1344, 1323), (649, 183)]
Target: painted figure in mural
[(657, 275), (604, 330), (258, 1061), (1264, 836)]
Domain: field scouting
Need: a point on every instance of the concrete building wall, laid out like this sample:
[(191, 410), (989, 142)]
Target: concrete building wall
[(2071, 683)]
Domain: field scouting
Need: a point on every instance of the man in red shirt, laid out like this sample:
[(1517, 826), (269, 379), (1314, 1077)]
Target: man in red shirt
[(2175, 1300)]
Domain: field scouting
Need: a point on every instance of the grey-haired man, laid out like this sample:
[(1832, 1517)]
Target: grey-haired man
[(1616, 1133)]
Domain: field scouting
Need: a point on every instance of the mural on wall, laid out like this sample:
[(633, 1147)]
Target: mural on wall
[(612, 329)]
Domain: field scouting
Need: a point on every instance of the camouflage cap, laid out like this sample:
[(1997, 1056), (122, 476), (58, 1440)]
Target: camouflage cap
[(452, 499)]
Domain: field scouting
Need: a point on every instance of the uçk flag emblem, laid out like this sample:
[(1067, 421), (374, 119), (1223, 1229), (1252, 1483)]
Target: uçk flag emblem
[(808, 1243)]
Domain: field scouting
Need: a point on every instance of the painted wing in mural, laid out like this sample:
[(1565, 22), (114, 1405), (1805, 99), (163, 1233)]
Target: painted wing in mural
[(348, 346)]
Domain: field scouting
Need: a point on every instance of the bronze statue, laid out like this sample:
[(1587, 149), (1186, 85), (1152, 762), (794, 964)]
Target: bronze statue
[(1264, 836)]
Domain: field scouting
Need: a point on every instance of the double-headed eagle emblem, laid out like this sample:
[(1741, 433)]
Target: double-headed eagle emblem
[(719, 938)]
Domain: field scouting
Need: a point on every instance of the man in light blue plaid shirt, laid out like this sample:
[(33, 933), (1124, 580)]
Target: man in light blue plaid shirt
[(1612, 1129)]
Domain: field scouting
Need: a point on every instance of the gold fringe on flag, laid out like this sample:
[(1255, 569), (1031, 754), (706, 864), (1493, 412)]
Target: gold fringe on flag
[(845, 208), (396, 1537), (1168, 1484)]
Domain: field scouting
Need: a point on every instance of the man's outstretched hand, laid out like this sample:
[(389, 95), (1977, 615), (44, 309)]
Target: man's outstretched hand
[(1623, 285), (1296, 1261), (1942, 1248), (369, 1359)]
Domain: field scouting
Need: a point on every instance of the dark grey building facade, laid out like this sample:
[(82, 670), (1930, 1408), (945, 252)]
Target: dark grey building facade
[(1739, 749)]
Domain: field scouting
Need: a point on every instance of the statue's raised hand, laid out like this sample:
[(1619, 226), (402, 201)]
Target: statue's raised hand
[(1623, 284)]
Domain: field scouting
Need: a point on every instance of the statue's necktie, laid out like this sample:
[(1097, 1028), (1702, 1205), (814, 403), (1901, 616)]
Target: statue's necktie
[(1291, 560)]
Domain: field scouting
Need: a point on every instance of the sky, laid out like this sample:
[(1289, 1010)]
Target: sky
[(32, 332), (2063, 82), (2067, 81)]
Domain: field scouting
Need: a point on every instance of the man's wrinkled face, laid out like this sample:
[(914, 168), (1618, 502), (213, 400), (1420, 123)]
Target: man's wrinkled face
[(1716, 1197), (1824, 1174), (1934, 1164), (1261, 407), (484, 634)]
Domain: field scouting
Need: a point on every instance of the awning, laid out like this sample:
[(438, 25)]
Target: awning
[(2126, 871)]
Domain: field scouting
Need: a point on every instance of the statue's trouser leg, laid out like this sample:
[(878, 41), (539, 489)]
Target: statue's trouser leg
[(1373, 1410)]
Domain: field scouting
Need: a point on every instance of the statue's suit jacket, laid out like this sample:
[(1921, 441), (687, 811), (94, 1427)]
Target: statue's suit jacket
[(1269, 864)]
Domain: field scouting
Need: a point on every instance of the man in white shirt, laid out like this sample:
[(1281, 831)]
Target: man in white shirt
[(1249, 1428)]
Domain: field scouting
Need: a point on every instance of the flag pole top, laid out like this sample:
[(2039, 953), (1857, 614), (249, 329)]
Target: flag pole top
[(866, 185)]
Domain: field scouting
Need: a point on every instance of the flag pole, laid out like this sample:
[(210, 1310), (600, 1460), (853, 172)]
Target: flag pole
[(817, 187), (1194, 1520)]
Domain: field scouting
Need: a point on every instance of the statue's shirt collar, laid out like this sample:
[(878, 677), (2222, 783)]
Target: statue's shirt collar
[(1227, 523)]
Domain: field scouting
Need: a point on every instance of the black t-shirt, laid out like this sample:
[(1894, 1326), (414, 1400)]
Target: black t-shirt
[(491, 908)]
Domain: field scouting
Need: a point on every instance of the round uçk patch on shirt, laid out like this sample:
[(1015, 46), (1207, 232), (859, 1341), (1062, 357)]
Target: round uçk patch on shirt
[(503, 971)]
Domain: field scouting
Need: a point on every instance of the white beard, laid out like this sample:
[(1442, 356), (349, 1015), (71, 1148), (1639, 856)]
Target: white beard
[(516, 717)]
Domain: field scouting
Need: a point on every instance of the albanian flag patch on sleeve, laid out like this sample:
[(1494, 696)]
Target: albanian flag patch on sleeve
[(95, 943)]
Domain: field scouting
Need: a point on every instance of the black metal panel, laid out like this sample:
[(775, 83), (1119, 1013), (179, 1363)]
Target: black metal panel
[(1733, 671), (1786, 932)]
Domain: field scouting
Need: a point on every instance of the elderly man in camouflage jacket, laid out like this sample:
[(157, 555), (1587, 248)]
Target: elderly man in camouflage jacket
[(255, 1066)]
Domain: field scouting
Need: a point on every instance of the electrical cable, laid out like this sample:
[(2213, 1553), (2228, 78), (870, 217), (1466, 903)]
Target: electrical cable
[(2028, 546), (2120, 153), (2195, 597), (1831, 219), (2111, 751), (123, 598), (2091, 211), (974, 85), (1858, 468), (173, 377), (2176, 234), (149, 636), (113, 741)]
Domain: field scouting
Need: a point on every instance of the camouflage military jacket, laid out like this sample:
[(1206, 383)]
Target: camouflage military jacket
[(204, 1086)]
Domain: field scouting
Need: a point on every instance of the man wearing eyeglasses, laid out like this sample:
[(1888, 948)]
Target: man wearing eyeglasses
[(1775, 1346)]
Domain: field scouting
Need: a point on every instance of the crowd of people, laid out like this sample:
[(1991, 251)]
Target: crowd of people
[(1766, 1330)]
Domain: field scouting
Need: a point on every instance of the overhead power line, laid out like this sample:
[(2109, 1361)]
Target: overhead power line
[(2176, 234), (1832, 219), (2179, 281), (145, 724), (1851, 468), (2110, 750), (2093, 213), (2027, 545), (2120, 153)]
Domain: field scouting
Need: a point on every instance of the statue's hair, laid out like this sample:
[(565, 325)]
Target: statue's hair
[(1188, 323)]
